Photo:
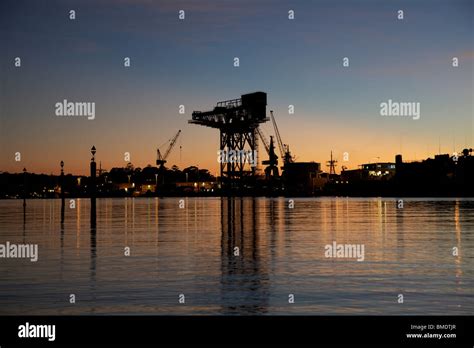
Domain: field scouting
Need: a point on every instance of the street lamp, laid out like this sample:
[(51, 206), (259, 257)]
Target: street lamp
[(93, 151)]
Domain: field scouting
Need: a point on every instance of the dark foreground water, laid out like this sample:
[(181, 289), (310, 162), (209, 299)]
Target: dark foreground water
[(281, 251)]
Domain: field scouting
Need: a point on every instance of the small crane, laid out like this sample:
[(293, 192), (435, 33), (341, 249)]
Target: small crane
[(272, 162), (284, 149), (161, 160), (264, 140)]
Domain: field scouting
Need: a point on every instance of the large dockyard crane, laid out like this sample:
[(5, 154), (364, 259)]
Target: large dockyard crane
[(236, 120)]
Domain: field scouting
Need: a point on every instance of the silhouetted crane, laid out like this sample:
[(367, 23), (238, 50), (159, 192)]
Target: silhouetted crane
[(161, 160), (236, 120), (272, 163), (264, 140), (284, 149)]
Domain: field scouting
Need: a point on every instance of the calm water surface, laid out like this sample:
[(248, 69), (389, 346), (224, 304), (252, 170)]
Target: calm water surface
[(190, 251)]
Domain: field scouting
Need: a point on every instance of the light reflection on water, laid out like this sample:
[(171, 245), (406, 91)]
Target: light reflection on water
[(191, 251)]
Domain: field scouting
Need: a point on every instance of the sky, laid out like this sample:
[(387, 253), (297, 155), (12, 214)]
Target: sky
[(190, 62)]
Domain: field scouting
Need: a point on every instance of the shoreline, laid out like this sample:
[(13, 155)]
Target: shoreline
[(250, 196)]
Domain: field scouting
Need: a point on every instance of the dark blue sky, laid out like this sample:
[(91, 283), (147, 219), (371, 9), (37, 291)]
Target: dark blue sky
[(190, 62)]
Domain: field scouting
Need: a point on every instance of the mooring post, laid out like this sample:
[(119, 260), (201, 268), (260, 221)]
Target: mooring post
[(92, 187), (62, 191), (24, 187)]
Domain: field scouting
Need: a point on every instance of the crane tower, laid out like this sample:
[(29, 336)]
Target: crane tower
[(237, 121)]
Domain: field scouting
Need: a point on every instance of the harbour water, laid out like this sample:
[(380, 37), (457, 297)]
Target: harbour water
[(232, 256)]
